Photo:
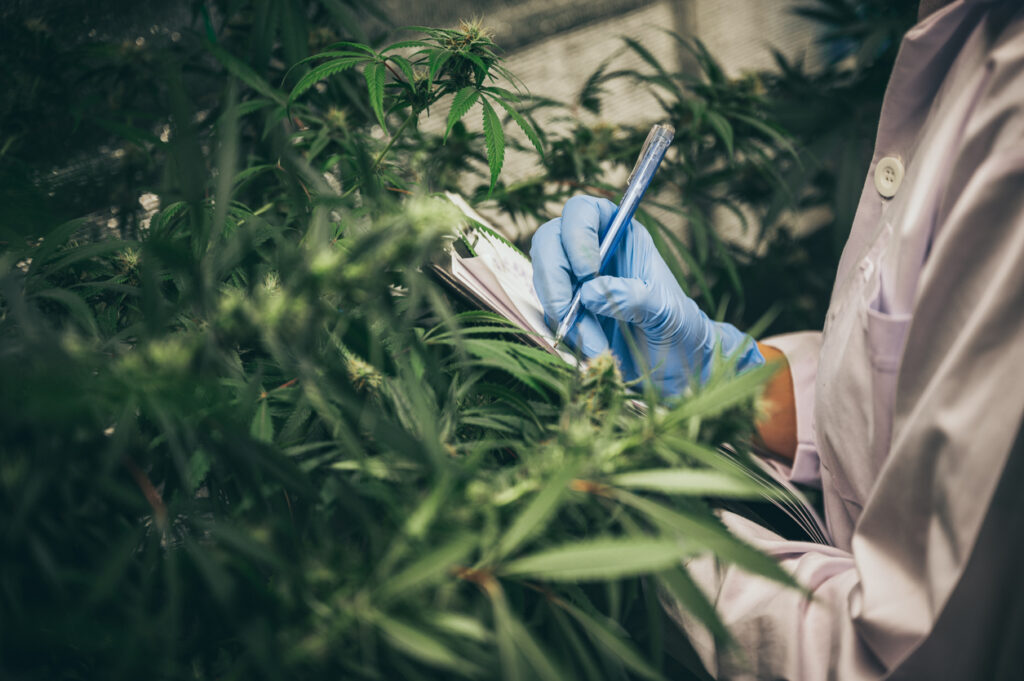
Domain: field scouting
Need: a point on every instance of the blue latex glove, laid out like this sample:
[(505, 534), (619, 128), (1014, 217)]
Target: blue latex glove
[(637, 298)]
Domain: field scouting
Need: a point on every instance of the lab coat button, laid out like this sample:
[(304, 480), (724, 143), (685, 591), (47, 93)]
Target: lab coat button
[(888, 176)]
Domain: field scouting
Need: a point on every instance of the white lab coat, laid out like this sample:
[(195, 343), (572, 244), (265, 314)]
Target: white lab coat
[(910, 401)]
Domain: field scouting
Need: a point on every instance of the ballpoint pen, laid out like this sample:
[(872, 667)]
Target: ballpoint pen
[(651, 154)]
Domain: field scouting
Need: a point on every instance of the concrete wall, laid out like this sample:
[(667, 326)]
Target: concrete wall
[(571, 38), (742, 33), (516, 23)]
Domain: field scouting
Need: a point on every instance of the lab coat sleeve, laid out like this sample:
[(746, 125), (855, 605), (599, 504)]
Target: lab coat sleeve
[(919, 544), (801, 352)]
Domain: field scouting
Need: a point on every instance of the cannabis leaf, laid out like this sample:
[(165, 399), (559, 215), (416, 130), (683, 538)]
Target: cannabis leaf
[(375, 74), (494, 138), (322, 72), (462, 102), (523, 124)]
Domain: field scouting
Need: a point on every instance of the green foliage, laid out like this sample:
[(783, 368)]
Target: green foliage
[(250, 437), (244, 434), (458, 63)]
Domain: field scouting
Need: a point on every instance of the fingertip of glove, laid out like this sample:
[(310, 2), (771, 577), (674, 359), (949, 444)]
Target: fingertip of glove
[(589, 336), (581, 212), (579, 201), (546, 237)]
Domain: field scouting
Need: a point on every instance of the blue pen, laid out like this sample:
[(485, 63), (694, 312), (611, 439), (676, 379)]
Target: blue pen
[(658, 140)]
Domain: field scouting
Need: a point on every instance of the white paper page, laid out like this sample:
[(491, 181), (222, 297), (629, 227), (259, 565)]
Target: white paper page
[(513, 273), (518, 286), (478, 278)]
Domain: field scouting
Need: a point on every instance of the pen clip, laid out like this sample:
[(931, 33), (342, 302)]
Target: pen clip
[(655, 129)]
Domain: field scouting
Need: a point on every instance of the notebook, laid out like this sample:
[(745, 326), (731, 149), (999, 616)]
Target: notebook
[(494, 275)]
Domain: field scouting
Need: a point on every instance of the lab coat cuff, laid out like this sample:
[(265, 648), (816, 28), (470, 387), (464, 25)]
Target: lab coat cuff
[(801, 351)]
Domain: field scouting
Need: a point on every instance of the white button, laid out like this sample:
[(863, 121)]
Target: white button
[(867, 268), (888, 176)]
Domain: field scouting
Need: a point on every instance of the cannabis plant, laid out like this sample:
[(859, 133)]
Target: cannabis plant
[(244, 434), (461, 63)]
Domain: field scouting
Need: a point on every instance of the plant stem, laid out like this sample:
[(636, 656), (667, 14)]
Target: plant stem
[(393, 72), (384, 152), (394, 138)]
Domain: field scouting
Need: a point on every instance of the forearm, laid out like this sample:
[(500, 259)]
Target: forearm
[(776, 426)]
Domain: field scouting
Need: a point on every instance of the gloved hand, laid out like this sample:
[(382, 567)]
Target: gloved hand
[(636, 307)]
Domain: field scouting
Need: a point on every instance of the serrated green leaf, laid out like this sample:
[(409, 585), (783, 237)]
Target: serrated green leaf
[(321, 72), (252, 171), (404, 44), (679, 585), (359, 46), (494, 138), (420, 519), (478, 62), (406, 68), (511, 661), (584, 656), (722, 395), (462, 625), (771, 131), (598, 559), (533, 366), (85, 252), (198, 466), (253, 105), (371, 466), (76, 307), (462, 102), (688, 482), (262, 427), (244, 73), (428, 568), (523, 124), (425, 647), (715, 537), (57, 238), (644, 54), (504, 93), (543, 666), (166, 215), (613, 643), (435, 62), (327, 54), (474, 331), (515, 643), (495, 423), (722, 128), (375, 75), (537, 512)]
